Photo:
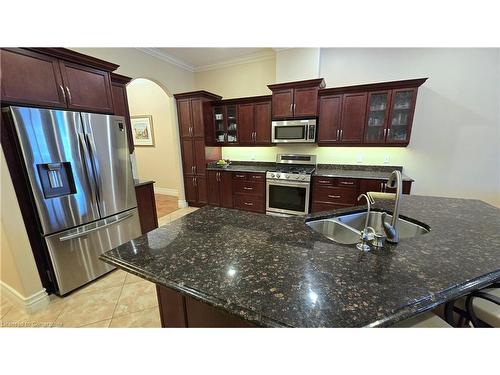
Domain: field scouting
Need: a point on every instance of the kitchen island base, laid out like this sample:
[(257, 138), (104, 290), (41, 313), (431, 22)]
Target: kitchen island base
[(179, 311)]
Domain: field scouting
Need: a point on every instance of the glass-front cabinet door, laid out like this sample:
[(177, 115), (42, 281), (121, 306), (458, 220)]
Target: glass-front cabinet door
[(400, 120), (378, 108), (220, 128), (232, 125)]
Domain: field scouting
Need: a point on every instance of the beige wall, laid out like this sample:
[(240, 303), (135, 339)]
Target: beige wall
[(296, 64), (249, 79), (18, 268), (455, 144), (161, 162), (137, 64)]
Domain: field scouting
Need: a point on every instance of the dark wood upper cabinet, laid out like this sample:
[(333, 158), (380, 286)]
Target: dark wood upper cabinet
[(353, 118), (120, 103), (57, 78), (330, 110), (401, 115), (262, 119), (246, 123), (242, 121), (197, 117), (377, 116), (384, 109), (184, 117), (282, 104), (305, 102), (31, 78), (87, 89), (296, 99)]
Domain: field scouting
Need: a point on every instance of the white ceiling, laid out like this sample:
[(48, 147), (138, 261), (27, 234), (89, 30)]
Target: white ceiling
[(196, 59)]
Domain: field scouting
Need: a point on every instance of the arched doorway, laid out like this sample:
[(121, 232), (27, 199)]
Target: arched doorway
[(161, 161)]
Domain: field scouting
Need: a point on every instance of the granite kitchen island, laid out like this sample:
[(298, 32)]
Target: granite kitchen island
[(224, 267)]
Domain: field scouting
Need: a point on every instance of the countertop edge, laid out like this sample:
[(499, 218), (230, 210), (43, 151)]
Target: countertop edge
[(412, 309), (261, 321)]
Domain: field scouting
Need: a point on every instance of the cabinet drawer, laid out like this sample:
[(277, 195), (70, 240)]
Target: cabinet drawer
[(239, 176), (248, 187), (249, 203), (334, 195), (347, 183), (323, 206), (256, 177), (324, 181)]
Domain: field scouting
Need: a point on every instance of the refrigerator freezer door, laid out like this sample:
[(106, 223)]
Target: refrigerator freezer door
[(60, 174), (107, 140), (75, 253)]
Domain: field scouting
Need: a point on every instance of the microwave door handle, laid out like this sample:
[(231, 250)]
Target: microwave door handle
[(90, 140), (307, 132), (86, 164)]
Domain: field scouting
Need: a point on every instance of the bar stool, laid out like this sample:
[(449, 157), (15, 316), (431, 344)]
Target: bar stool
[(424, 320), (479, 309)]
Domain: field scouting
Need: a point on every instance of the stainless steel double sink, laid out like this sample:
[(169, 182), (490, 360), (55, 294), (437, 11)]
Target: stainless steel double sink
[(346, 228)]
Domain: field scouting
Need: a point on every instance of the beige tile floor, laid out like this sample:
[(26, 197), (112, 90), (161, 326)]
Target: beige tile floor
[(118, 299)]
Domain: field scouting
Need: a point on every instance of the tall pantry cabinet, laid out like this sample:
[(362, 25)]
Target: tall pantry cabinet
[(193, 113)]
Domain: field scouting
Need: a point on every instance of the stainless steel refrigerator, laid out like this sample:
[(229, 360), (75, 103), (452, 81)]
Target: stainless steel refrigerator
[(80, 173)]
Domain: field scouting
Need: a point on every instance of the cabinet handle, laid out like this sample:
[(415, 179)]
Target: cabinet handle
[(291, 108), (338, 133), (218, 176), (323, 181), (194, 185), (196, 181), (194, 169), (381, 186), (294, 105), (341, 131), (240, 176), (247, 188), (259, 177), (388, 133), (333, 196), (69, 94), (346, 183), (247, 204), (62, 90), (385, 133)]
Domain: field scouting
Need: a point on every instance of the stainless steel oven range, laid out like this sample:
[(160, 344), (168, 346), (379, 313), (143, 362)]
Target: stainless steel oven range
[(289, 185)]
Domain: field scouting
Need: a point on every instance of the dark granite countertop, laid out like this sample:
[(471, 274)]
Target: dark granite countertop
[(278, 272), (139, 182), (256, 167), (325, 170), (362, 171)]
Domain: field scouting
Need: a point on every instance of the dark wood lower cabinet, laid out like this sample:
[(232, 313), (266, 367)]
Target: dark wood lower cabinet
[(196, 190), (330, 193), (220, 188), (146, 205), (249, 191), (179, 311)]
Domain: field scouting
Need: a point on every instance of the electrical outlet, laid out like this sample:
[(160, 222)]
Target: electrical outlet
[(386, 159), (360, 158)]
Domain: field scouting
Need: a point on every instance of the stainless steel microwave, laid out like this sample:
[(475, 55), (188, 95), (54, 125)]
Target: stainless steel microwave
[(294, 131)]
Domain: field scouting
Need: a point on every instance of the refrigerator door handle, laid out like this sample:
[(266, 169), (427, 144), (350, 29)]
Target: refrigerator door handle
[(97, 176), (97, 227), (86, 159)]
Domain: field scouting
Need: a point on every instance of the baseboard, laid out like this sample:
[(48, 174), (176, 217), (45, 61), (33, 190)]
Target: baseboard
[(181, 203), (166, 191), (31, 304)]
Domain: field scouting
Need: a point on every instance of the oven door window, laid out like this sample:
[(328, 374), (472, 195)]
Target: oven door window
[(290, 132), (292, 198)]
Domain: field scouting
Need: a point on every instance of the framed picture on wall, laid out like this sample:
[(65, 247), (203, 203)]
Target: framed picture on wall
[(142, 130)]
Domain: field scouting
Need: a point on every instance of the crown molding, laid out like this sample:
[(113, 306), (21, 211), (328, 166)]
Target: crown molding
[(168, 58), (254, 57)]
